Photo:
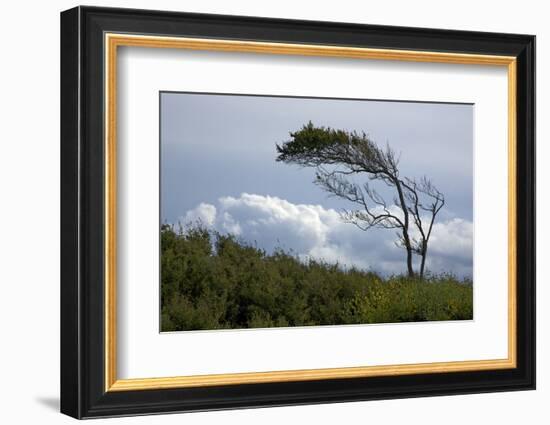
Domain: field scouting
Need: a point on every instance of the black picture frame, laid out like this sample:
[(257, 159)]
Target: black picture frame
[(83, 392)]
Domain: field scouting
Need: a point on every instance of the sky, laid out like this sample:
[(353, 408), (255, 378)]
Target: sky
[(218, 166)]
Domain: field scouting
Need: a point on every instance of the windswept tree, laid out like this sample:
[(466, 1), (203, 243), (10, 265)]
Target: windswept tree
[(340, 158)]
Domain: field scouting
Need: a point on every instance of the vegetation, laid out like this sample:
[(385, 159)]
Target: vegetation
[(215, 281), (338, 156)]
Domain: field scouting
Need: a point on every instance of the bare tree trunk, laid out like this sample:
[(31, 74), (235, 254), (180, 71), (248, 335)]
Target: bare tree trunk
[(409, 263), (406, 239), (423, 262), (408, 248)]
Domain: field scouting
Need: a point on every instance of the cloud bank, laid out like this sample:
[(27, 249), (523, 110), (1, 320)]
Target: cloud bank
[(311, 231)]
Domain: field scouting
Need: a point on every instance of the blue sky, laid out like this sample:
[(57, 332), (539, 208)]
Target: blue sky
[(218, 165)]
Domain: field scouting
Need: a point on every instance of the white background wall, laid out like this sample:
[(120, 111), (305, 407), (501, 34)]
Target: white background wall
[(29, 212)]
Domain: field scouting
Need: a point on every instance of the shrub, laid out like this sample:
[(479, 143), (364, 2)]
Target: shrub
[(214, 281)]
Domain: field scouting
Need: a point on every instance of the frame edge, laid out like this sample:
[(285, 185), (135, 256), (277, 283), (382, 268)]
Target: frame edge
[(70, 349)]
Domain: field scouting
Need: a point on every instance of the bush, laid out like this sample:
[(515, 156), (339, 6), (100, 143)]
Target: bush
[(214, 281)]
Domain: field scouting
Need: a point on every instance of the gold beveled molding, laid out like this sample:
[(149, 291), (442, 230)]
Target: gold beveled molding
[(113, 41)]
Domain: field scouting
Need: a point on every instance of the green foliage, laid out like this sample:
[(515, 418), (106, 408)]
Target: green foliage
[(313, 146), (214, 281), (310, 140)]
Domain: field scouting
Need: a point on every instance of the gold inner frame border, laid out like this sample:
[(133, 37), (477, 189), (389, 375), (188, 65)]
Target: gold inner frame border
[(111, 43)]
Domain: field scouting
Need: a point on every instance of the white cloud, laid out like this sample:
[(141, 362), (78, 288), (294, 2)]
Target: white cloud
[(203, 213), (453, 238), (230, 225), (316, 232)]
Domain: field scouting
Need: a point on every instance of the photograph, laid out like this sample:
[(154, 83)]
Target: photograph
[(285, 211)]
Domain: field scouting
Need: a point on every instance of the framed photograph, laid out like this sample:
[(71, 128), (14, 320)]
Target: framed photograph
[(261, 212)]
